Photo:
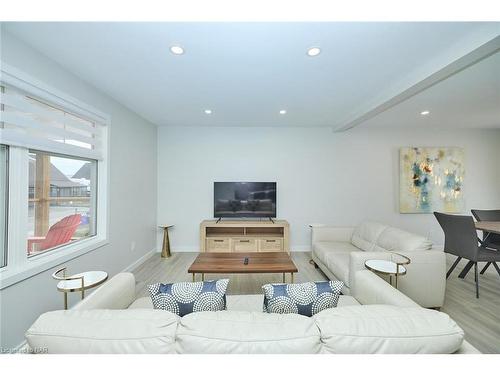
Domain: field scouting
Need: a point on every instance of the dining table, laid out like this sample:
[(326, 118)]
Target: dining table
[(488, 228)]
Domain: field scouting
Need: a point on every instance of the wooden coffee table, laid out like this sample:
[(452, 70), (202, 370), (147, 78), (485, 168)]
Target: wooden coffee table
[(268, 262)]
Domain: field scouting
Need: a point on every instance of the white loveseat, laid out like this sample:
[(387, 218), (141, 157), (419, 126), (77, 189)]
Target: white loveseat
[(340, 252), (376, 319)]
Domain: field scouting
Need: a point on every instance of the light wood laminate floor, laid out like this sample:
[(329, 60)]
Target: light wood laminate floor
[(479, 318)]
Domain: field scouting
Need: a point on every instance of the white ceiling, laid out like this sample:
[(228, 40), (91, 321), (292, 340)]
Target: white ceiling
[(247, 72), (469, 99)]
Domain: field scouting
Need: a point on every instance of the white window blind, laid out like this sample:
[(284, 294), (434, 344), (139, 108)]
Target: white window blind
[(29, 122)]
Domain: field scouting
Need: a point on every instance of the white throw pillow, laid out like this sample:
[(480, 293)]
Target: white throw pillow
[(387, 329)]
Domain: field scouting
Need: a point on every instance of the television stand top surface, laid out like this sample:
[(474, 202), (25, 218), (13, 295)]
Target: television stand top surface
[(240, 223)]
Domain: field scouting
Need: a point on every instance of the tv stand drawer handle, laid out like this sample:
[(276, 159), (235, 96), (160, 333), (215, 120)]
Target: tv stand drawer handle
[(218, 240), (244, 240), (270, 240)]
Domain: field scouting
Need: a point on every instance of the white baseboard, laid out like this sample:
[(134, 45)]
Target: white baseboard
[(139, 261)]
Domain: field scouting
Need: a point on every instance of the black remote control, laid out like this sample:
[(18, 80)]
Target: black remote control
[(245, 262)]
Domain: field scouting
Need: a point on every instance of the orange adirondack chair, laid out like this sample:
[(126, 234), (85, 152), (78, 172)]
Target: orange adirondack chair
[(58, 234)]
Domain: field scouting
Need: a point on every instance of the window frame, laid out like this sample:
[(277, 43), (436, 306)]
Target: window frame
[(19, 266), (4, 246)]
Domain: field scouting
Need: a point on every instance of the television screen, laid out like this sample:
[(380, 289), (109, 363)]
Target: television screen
[(245, 199)]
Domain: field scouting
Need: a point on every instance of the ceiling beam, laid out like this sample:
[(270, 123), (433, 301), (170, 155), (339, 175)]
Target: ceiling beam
[(487, 49)]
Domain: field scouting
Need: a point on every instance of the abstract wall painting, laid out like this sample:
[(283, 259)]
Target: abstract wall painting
[(431, 179)]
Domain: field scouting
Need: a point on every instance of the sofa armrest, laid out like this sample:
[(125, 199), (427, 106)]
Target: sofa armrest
[(321, 232), (357, 262), (425, 279), (116, 293), (370, 289)]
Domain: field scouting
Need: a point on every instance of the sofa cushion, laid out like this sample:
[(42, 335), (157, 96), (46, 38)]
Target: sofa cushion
[(240, 302), (142, 303), (338, 264), (347, 301), (305, 298), (366, 234), (334, 247), (394, 239), (245, 302), (104, 331), (241, 332), (387, 329), (187, 297), (322, 250)]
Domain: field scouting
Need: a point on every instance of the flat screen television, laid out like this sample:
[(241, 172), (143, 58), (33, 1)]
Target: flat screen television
[(244, 199)]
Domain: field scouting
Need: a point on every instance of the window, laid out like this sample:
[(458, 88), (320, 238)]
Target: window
[(53, 177), (3, 205), (61, 201)]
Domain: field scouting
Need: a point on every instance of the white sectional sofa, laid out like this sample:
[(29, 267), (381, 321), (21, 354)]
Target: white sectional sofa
[(340, 252), (375, 319)]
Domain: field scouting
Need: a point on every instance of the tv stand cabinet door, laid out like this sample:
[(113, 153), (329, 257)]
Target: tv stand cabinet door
[(218, 245), (244, 245), (270, 244)]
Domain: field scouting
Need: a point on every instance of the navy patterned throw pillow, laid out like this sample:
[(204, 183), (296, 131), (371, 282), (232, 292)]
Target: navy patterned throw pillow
[(185, 297), (304, 299)]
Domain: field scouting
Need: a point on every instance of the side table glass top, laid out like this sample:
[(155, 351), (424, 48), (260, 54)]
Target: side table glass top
[(90, 279), (385, 266)]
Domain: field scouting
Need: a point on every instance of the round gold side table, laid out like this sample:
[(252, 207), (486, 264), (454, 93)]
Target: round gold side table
[(78, 283), (388, 268), (165, 249)]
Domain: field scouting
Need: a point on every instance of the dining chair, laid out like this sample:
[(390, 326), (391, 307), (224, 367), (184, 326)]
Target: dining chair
[(460, 239), (491, 240)]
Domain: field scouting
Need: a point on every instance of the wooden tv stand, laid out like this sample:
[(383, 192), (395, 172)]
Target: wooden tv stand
[(228, 236)]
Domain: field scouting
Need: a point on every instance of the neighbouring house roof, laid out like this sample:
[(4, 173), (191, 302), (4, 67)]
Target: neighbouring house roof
[(57, 178), (83, 172)]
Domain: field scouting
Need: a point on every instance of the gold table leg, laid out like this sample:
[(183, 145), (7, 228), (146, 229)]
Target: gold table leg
[(283, 277), (193, 277), (65, 300), (202, 277), (291, 274), (165, 250)]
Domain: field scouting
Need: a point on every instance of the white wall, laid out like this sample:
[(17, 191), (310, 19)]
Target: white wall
[(323, 177), (132, 195)]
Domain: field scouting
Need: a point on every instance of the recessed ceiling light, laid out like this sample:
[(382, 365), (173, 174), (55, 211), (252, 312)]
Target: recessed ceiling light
[(313, 51), (208, 111), (283, 112), (177, 50), (425, 113)]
